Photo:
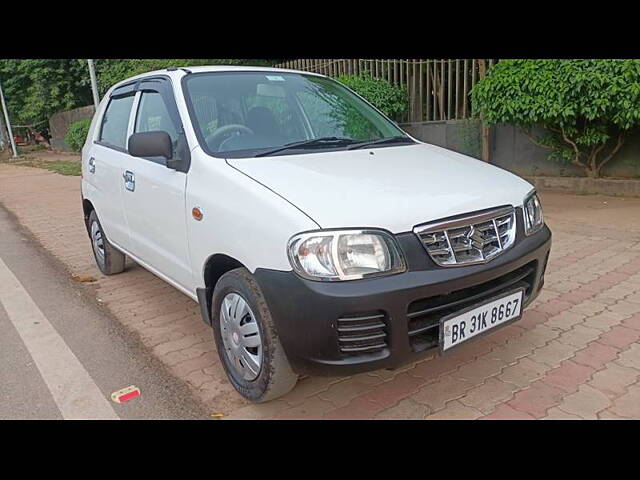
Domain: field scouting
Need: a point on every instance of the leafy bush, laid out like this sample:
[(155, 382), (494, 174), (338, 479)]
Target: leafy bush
[(586, 106), (389, 99), (77, 134)]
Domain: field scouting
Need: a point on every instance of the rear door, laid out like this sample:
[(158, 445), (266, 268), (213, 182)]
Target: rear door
[(107, 156), (154, 195)]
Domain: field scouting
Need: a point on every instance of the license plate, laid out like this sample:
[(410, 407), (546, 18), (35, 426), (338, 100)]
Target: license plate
[(462, 326)]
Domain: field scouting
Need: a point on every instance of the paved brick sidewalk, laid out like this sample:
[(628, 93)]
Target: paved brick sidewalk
[(575, 353)]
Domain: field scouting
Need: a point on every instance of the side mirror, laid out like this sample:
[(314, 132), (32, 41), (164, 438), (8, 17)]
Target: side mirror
[(151, 144)]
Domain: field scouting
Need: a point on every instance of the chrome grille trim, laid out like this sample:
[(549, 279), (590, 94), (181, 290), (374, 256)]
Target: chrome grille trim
[(469, 240)]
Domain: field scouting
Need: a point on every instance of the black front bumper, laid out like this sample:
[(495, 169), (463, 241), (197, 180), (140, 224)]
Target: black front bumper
[(398, 316)]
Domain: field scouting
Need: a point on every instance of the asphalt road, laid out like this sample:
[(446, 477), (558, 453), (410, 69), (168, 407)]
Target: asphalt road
[(62, 356)]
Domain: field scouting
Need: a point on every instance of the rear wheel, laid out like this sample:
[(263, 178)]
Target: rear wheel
[(109, 260), (247, 340)]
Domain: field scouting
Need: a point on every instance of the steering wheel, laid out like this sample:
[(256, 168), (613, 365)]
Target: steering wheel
[(214, 139)]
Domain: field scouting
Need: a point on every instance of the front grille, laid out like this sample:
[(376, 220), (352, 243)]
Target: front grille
[(424, 315), (363, 334), (469, 240)]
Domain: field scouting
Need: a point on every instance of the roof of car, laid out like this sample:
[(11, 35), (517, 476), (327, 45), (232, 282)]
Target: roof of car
[(233, 68), (209, 68)]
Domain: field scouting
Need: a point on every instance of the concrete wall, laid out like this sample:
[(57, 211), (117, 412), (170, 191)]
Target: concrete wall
[(514, 151), (459, 135), (59, 124)]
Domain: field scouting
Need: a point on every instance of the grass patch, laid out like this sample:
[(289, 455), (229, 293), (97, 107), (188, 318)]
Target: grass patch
[(73, 168), (26, 149), (64, 168)]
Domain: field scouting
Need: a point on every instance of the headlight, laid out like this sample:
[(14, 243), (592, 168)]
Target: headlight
[(532, 211), (344, 254)]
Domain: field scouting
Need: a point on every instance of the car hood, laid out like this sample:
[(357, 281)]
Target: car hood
[(394, 188)]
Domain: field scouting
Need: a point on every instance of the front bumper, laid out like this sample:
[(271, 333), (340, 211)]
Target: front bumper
[(308, 313)]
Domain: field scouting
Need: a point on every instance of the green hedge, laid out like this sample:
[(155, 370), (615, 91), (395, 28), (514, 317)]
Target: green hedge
[(389, 99), (77, 134), (587, 106)]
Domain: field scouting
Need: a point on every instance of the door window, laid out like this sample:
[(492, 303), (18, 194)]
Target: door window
[(153, 116), (115, 122)]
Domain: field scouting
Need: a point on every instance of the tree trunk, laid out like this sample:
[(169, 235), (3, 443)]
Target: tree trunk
[(591, 164), (592, 172), (485, 127)]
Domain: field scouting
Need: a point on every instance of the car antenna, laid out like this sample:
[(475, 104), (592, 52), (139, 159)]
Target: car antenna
[(173, 69)]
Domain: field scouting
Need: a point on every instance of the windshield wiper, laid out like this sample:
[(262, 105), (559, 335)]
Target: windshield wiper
[(308, 143), (396, 139)]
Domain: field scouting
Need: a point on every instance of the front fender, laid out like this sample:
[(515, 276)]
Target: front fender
[(242, 218)]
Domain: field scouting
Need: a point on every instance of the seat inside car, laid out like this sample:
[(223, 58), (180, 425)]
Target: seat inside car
[(266, 132), (262, 122)]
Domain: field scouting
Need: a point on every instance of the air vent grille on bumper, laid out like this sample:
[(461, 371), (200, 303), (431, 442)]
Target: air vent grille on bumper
[(363, 334), (424, 315), (476, 238)]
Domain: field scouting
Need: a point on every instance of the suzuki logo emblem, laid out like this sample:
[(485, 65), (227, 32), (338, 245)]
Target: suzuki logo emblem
[(475, 238)]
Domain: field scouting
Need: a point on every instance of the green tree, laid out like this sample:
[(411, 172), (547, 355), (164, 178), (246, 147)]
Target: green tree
[(587, 107), (36, 89)]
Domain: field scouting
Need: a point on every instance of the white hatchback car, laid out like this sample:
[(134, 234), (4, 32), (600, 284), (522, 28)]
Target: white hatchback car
[(317, 236)]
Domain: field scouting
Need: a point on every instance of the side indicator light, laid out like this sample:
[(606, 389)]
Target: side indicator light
[(197, 213)]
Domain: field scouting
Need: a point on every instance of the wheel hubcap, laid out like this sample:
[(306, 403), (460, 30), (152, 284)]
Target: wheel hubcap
[(97, 242), (241, 336)]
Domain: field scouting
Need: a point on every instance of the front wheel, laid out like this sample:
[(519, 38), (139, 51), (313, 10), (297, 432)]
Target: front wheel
[(247, 340), (109, 260)]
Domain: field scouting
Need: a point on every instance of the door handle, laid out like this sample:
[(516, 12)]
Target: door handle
[(92, 165), (129, 181)]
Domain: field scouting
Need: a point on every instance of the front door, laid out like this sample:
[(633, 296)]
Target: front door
[(154, 195), (107, 155)]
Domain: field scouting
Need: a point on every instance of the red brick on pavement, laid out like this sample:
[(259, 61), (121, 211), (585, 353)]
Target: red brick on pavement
[(505, 412), (389, 393), (595, 355), (537, 399), (358, 408), (568, 376), (619, 337), (632, 322)]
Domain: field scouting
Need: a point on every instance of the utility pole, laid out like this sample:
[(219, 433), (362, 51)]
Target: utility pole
[(94, 83), (4, 139), (6, 119)]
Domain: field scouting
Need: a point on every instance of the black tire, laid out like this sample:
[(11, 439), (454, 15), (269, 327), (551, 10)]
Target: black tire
[(112, 260), (275, 377)]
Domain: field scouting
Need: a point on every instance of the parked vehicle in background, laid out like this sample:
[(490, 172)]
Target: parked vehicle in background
[(317, 236)]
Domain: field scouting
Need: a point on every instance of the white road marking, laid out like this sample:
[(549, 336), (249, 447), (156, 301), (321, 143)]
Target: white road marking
[(74, 391)]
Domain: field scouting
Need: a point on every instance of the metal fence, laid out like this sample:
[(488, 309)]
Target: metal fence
[(437, 89)]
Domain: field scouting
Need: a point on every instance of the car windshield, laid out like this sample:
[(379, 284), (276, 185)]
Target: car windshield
[(248, 114)]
